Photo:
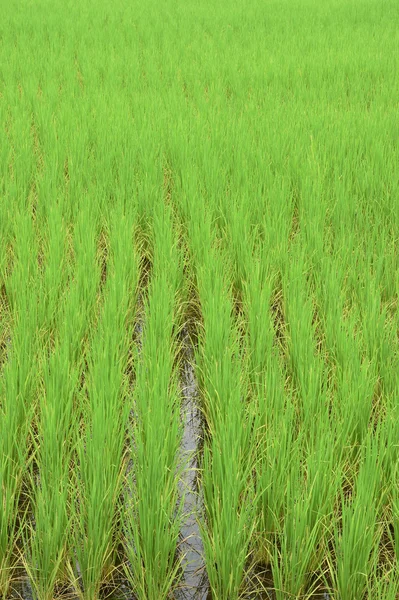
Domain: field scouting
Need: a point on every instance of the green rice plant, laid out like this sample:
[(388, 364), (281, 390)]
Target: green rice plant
[(386, 588), (240, 243), (229, 516), (153, 509), (275, 420), (291, 561), (353, 376), (85, 278), (383, 583), (15, 426), (277, 451), (357, 532), (390, 450), (226, 523), (356, 381), (259, 288), (389, 426), (45, 540), (57, 428), (5, 313), (230, 519), (300, 542), (394, 497), (378, 339), (55, 270), (306, 367), (46, 559), (329, 291), (17, 389), (100, 448)]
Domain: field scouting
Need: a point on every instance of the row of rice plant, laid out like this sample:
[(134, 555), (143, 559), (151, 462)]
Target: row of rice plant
[(105, 410), (17, 390), (153, 509), (228, 521), (53, 438)]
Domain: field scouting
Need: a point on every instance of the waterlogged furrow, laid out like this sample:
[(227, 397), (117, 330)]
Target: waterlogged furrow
[(153, 509), (100, 457), (194, 581)]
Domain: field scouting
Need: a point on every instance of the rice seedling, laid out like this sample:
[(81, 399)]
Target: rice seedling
[(275, 421)]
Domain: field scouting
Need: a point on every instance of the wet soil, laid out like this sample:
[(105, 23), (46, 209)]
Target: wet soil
[(194, 585)]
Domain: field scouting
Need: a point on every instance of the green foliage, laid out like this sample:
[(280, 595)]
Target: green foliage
[(229, 170)]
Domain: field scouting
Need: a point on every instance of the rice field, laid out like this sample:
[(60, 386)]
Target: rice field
[(199, 278)]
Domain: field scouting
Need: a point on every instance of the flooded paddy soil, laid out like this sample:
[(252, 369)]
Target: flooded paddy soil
[(194, 583)]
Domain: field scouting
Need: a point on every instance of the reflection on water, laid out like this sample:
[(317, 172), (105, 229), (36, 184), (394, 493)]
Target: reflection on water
[(194, 585)]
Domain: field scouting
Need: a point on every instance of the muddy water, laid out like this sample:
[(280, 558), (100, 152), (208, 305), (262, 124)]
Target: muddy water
[(194, 584)]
